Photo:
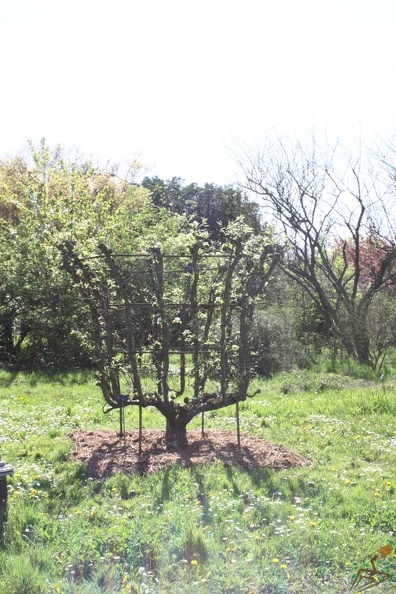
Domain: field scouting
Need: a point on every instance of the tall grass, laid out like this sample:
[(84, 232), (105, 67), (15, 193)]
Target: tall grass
[(210, 528)]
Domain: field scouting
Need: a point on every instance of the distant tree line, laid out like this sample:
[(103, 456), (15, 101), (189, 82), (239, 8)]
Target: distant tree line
[(211, 205), (333, 289)]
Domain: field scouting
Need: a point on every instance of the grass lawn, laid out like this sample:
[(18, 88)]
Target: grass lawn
[(210, 528)]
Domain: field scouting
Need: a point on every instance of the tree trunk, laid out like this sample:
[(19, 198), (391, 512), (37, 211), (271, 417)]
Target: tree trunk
[(176, 432), (362, 347), (361, 339)]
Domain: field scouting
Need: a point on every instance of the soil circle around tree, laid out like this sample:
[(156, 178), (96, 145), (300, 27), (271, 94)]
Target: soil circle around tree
[(105, 453)]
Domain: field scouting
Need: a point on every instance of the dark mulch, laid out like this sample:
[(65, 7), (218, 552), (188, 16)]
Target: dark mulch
[(105, 453)]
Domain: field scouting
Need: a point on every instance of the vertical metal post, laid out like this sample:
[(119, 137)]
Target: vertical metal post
[(123, 399), (140, 430), (121, 420), (237, 424)]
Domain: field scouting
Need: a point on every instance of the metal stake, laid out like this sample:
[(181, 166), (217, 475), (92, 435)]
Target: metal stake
[(140, 430), (237, 424)]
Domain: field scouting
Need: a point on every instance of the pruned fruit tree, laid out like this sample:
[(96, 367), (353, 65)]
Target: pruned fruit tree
[(172, 330)]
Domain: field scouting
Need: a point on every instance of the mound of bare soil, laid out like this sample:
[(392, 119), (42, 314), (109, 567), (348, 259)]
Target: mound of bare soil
[(105, 453)]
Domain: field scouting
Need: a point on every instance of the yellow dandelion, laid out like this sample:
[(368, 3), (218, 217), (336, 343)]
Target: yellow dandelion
[(275, 560), (194, 562), (283, 566)]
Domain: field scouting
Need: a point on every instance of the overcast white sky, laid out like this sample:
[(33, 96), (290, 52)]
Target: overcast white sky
[(179, 81)]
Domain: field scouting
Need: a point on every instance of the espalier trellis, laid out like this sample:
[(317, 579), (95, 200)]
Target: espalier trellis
[(176, 326)]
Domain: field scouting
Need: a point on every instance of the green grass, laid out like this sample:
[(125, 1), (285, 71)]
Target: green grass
[(207, 529)]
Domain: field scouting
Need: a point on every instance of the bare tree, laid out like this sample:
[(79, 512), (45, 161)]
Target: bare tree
[(335, 212)]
